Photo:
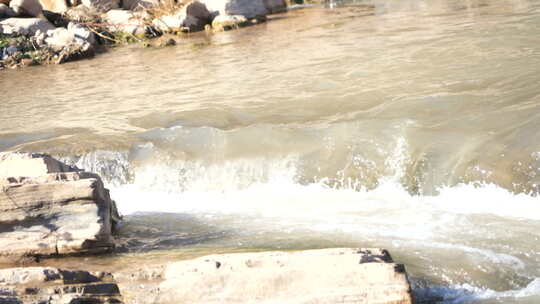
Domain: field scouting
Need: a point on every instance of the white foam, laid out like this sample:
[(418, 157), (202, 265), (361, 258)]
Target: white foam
[(467, 293), (285, 198)]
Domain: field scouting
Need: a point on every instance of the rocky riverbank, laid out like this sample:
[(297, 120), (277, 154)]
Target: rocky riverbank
[(55, 31), (50, 209)]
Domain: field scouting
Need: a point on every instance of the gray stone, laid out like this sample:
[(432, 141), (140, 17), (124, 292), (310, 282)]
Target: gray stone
[(228, 22), (247, 8), (32, 8), (101, 5), (82, 32), (55, 286), (6, 52), (24, 26), (6, 11), (75, 39), (193, 16), (137, 5), (55, 213)]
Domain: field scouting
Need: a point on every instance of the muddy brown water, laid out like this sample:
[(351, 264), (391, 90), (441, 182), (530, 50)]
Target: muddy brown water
[(410, 125)]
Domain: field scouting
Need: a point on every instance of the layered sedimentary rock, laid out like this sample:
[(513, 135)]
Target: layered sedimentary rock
[(312, 276), (55, 286), (48, 208)]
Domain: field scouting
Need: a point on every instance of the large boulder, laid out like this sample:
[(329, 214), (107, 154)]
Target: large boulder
[(24, 26), (248, 8), (193, 16), (55, 286), (312, 276), (50, 209)]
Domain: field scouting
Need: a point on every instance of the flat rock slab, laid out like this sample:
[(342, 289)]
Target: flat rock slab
[(56, 286), (312, 276)]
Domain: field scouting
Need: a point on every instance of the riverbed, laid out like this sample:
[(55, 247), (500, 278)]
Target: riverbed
[(404, 124)]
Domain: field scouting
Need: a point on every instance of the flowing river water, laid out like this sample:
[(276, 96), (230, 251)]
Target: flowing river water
[(412, 125)]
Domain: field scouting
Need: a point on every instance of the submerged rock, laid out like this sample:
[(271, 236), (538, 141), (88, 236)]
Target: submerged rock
[(48, 208), (55, 286), (342, 275), (247, 8)]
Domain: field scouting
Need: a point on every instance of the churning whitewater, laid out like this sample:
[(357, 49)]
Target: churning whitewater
[(464, 243)]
